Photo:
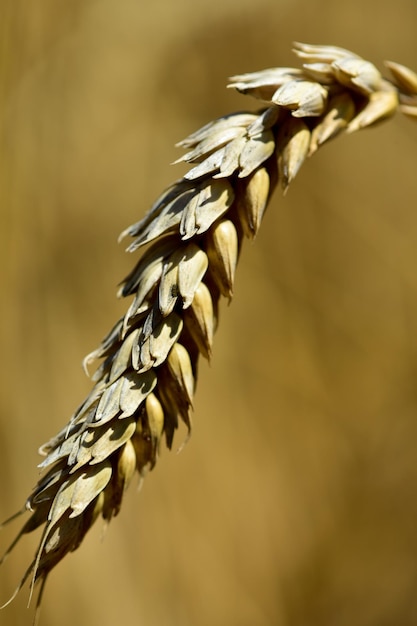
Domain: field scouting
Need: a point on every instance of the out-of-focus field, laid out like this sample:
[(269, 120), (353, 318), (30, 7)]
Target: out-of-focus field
[(295, 502)]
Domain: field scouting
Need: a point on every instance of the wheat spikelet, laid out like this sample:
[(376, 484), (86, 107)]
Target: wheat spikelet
[(146, 382)]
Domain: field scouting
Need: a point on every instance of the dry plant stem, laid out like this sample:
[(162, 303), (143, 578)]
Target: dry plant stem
[(145, 384)]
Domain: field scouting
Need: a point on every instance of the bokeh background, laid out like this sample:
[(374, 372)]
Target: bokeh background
[(295, 501)]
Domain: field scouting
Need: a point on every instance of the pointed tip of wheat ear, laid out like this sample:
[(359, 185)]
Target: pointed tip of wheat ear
[(193, 235)]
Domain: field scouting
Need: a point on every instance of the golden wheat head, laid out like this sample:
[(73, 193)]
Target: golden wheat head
[(146, 381)]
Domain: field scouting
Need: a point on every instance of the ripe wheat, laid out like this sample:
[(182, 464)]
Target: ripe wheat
[(194, 231)]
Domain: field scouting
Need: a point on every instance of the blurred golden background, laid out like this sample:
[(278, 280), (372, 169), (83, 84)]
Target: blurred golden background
[(295, 502)]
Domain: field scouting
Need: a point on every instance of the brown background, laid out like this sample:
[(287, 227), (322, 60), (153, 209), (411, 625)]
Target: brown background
[(294, 503)]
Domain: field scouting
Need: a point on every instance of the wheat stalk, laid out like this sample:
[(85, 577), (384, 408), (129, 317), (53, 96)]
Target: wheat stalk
[(145, 384)]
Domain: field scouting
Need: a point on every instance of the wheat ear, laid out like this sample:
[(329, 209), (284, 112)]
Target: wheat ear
[(194, 231)]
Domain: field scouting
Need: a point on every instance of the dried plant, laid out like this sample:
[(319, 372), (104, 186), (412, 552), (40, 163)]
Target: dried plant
[(145, 384)]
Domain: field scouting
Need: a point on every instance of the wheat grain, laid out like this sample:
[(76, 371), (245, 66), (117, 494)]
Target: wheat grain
[(146, 382)]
